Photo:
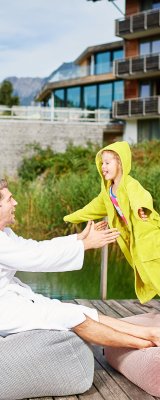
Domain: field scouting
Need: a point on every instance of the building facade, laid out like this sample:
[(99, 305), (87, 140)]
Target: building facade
[(140, 69), (122, 77), (88, 83)]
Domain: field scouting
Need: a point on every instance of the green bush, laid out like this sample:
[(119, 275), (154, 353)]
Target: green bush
[(56, 164)]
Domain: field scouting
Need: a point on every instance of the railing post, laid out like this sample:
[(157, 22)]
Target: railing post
[(52, 107), (145, 20), (117, 27), (159, 61), (130, 66), (129, 107), (114, 68), (131, 23), (144, 106), (104, 272), (145, 63), (158, 104)]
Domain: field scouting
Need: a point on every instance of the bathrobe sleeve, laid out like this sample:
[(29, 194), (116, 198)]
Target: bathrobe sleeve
[(94, 210), (55, 255)]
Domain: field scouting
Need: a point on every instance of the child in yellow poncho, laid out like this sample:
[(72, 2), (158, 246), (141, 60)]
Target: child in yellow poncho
[(129, 208)]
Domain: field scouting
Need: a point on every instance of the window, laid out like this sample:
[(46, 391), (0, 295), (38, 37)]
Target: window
[(144, 48), (117, 54), (156, 4), (118, 90), (149, 47), (102, 63), (104, 60), (59, 100), (148, 129), (156, 46), (145, 89), (90, 97), (105, 95), (108, 92), (73, 97), (150, 5), (146, 5)]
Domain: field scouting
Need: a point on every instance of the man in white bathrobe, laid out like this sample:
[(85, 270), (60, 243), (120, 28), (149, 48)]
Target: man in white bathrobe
[(21, 309)]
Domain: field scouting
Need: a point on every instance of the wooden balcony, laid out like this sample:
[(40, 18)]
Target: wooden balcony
[(138, 67), (139, 25), (139, 108)]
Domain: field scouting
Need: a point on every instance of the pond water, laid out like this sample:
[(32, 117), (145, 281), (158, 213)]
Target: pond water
[(84, 283)]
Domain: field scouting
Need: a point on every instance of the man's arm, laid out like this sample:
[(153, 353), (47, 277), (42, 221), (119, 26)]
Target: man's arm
[(58, 254), (55, 255)]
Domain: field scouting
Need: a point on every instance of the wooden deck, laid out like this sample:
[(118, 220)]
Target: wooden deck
[(109, 384)]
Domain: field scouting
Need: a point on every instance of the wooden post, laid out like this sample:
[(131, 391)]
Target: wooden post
[(104, 271)]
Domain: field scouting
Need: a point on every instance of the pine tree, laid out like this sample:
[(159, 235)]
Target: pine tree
[(6, 94)]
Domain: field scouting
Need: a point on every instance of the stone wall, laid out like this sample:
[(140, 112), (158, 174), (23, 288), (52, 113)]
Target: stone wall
[(15, 135)]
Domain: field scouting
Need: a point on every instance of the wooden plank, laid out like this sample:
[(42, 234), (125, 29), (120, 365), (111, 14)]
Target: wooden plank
[(91, 394), (64, 398), (155, 304), (118, 307), (145, 308), (107, 386), (104, 308), (131, 306), (99, 305), (83, 302), (41, 398)]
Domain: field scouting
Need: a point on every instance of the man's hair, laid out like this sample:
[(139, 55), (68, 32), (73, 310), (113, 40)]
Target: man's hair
[(3, 185)]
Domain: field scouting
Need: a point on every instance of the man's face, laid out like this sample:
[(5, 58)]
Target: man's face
[(7, 208)]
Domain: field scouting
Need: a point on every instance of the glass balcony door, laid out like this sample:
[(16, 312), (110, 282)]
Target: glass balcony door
[(149, 46)]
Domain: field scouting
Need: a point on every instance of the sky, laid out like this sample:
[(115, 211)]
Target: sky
[(37, 36)]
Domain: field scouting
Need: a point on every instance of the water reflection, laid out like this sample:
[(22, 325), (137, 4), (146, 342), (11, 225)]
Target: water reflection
[(67, 285)]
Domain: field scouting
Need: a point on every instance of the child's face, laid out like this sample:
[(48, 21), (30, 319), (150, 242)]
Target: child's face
[(111, 167)]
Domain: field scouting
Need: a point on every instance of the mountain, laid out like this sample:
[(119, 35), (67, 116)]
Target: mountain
[(26, 88)]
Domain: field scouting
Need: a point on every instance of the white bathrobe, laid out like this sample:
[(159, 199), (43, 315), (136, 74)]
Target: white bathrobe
[(20, 308)]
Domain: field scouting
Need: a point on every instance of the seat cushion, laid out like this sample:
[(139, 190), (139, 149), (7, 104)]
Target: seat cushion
[(43, 363), (141, 367)]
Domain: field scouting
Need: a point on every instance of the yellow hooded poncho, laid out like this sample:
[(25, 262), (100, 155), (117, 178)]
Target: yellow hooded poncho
[(139, 240)]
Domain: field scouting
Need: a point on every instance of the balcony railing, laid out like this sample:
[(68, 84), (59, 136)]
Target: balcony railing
[(71, 73), (137, 108), (55, 115), (137, 67), (132, 25), (78, 71)]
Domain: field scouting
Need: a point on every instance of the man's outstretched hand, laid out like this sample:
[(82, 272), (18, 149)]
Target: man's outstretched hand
[(98, 226), (94, 238)]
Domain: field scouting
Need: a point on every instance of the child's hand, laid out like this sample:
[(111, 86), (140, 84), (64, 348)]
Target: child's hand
[(100, 226), (142, 214)]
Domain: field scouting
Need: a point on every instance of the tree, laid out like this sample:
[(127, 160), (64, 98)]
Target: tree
[(6, 94)]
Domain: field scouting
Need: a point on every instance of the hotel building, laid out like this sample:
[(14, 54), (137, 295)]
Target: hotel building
[(122, 77)]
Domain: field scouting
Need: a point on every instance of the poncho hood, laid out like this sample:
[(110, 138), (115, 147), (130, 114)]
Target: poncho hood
[(124, 153)]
